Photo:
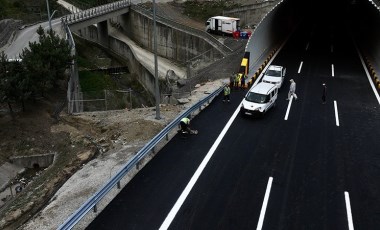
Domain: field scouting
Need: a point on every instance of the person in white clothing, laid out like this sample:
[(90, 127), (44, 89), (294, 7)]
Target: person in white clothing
[(292, 90)]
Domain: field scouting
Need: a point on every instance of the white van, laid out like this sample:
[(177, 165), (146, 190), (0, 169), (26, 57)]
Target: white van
[(259, 99), (275, 75)]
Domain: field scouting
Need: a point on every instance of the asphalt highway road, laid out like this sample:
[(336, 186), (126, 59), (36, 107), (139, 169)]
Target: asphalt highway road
[(315, 167)]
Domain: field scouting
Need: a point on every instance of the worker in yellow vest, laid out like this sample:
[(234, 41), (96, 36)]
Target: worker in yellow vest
[(227, 92), (185, 126)]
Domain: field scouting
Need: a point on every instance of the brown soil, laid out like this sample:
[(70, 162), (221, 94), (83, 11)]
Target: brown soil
[(75, 139)]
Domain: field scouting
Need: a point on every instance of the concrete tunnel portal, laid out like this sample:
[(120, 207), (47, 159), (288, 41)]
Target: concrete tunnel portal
[(360, 17)]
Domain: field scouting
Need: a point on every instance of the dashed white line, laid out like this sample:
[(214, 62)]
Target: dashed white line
[(336, 113), (307, 46), (288, 109), (265, 204), (348, 209), (332, 49), (173, 212), (332, 70), (299, 69)]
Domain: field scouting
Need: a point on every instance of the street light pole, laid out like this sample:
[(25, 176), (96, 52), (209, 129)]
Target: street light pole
[(155, 63), (48, 11)]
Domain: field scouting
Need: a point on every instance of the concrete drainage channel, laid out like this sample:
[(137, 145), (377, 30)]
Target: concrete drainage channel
[(15, 176)]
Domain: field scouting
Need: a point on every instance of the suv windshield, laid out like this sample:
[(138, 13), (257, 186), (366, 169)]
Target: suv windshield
[(257, 98), (273, 73)]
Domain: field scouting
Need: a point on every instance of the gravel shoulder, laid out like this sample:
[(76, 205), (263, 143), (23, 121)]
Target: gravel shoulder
[(129, 132)]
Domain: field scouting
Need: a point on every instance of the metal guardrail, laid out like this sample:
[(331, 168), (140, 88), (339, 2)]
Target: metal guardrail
[(196, 32), (92, 202)]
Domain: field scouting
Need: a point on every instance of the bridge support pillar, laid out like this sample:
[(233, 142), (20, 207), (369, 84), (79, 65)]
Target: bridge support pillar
[(103, 33)]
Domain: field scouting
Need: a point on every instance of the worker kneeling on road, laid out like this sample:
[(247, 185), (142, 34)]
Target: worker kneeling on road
[(185, 126)]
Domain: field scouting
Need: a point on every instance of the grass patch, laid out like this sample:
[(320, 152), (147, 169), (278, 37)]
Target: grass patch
[(95, 81), (205, 10)]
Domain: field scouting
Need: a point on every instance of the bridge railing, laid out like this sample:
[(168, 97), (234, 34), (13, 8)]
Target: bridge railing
[(96, 11), (196, 32), (91, 203)]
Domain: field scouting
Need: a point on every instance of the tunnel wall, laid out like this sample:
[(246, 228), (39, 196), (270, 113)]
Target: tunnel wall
[(366, 32), (271, 32)]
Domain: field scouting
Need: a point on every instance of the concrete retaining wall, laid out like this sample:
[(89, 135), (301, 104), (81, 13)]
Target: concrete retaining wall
[(172, 43), (145, 77), (40, 161)]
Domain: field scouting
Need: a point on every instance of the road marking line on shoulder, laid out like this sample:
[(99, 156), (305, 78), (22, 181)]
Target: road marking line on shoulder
[(173, 212), (348, 209), (307, 46), (288, 109), (299, 69), (332, 70), (336, 113), (332, 49), (265, 204)]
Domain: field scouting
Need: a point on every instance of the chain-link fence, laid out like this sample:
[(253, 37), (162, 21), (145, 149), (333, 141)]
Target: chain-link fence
[(105, 100)]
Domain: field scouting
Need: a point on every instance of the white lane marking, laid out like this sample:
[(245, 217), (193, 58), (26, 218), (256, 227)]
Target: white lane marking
[(173, 212), (299, 69), (368, 75), (265, 204), (332, 49), (332, 70), (288, 109), (336, 113), (348, 209), (307, 46)]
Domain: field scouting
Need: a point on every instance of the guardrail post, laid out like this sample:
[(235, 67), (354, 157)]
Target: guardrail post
[(167, 137), (153, 150), (95, 208), (118, 185)]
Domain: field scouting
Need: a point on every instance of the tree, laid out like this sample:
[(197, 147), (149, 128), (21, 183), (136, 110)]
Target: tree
[(42, 65), (46, 61), (14, 85)]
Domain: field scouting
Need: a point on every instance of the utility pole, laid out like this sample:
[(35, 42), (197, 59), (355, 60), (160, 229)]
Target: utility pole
[(155, 63)]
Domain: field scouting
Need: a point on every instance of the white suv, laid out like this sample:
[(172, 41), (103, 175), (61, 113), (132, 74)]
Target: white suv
[(259, 99), (274, 75)]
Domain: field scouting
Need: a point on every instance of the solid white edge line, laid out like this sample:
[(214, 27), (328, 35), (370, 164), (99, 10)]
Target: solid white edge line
[(332, 70), (265, 204), (288, 109), (173, 212), (299, 69), (348, 209), (336, 113), (368, 75)]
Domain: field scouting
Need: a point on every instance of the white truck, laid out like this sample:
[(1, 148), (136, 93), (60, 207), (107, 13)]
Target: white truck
[(222, 25)]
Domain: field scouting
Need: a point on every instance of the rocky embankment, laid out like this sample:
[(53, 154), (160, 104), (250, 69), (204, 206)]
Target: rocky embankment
[(8, 28)]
